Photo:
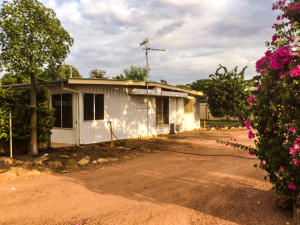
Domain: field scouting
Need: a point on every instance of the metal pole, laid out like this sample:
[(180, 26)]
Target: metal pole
[(147, 110), (71, 71), (10, 136), (147, 63)]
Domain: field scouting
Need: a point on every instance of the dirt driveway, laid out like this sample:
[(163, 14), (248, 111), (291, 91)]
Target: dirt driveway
[(189, 180)]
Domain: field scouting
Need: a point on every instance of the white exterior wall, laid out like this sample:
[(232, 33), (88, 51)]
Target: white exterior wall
[(128, 114)]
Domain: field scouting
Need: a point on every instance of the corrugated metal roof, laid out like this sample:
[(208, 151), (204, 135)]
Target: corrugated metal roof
[(89, 81), (131, 83)]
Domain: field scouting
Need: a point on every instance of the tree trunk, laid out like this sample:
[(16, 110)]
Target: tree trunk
[(33, 150)]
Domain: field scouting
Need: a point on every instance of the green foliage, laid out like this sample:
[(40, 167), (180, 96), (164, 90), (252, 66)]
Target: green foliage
[(276, 107), (65, 72), (18, 102), (135, 73), (227, 93), (201, 85), (98, 74), (32, 40)]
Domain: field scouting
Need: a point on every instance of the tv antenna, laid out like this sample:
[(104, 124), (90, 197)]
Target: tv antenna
[(147, 48)]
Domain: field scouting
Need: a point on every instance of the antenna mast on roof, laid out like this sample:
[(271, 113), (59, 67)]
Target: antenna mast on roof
[(146, 43)]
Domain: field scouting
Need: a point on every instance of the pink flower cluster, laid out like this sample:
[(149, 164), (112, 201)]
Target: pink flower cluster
[(292, 130), (263, 63), (292, 186), (278, 4), (251, 135), (295, 72), (251, 99), (294, 151), (247, 124), (295, 6), (276, 60), (280, 58)]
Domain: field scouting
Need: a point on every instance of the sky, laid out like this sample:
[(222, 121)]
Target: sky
[(197, 35)]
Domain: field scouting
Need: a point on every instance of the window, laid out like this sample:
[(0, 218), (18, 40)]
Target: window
[(162, 110), (62, 105), (189, 105), (93, 106)]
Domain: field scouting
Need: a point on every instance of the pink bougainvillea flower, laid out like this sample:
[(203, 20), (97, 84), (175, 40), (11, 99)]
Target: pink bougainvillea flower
[(259, 85), (296, 162), (292, 186), (280, 58), (281, 169), (251, 153), (293, 151), (292, 130), (296, 146), (251, 135), (282, 75), (263, 63), (251, 99), (247, 124), (295, 72)]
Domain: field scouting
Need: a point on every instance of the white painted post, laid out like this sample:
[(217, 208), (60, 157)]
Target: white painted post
[(10, 136)]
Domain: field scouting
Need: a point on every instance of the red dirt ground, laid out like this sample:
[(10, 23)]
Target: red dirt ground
[(189, 180)]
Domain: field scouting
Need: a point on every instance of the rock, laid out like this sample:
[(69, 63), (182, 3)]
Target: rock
[(126, 157), (28, 164), (102, 160), (111, 159), (65, 156), (74, 154), (84, 161), (6, 160), (212, 128), (41, 159), (55, 164), (71, 163), (94, 161)]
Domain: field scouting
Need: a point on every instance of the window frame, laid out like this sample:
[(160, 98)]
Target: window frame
[(61, 111), (94, 107), (162, 111)]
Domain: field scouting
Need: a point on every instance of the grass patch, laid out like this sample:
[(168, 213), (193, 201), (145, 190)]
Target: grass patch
[(222, 123)]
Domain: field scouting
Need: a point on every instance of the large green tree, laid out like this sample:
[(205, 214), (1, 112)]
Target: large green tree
[(32, 42), (227, 93), (135, 73)]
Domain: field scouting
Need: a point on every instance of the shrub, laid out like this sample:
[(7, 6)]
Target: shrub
[(18, 102), (276, 106)]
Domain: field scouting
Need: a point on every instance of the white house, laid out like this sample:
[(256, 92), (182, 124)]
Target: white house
[(85, 107)]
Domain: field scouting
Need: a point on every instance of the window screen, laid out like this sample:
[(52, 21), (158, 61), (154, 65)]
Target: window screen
[(67, 118), (56, 105), (162, 110), (166, 110), (99, 107), (62, 105), (88, 103), (159, 111)]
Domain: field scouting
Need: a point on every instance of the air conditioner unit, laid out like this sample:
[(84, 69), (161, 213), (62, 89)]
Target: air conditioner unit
[(175, 128), (178, 127)]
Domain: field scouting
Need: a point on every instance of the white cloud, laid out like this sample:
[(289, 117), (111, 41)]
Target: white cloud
[(197, 34)]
